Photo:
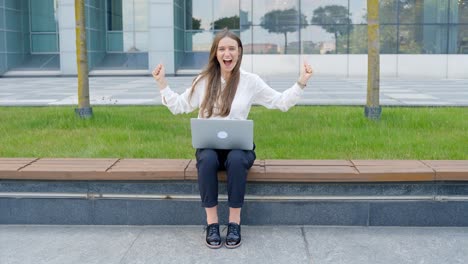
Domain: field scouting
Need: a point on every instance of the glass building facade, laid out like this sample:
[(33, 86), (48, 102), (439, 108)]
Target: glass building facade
[(135, 35)]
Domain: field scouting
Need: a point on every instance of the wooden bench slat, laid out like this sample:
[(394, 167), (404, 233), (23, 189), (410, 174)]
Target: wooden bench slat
[(262, 170), (10, 166), (254, 172), (308, 163), (449, 170), (149, 165), (309, 173), (446, 163), (397, 173), (396, 163)]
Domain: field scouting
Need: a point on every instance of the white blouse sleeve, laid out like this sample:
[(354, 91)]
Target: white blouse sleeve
[(180, 103), (270, 98)]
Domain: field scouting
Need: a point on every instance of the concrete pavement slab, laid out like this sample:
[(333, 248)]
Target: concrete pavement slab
[(184, 244), (65, 244), (382, 245), (261, 244)]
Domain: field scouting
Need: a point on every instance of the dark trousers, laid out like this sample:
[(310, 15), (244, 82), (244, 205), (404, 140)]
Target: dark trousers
[(236, 163)]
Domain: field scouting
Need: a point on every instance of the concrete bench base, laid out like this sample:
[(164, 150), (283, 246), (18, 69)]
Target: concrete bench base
[(178, 202), (289, 192)]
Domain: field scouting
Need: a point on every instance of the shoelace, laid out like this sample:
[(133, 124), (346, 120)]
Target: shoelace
[(233, 229), (211, 229)]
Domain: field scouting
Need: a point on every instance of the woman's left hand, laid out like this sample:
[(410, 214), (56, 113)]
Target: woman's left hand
[(306, 73)]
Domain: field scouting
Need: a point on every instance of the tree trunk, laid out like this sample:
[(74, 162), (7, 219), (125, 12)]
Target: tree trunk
[(336, 43), (285, 42), (84, 109), (373, 109)]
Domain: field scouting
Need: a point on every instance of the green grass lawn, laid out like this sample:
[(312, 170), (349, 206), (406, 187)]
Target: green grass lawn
[(304, 132)]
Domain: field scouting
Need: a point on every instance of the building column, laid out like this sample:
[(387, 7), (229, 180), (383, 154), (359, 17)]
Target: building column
[(67, 35), (161, 34)]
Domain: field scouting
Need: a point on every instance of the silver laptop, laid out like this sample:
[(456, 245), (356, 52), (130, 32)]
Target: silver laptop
[(222, 133)]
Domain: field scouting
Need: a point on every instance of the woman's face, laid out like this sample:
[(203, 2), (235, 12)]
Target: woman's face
[(227, 54)]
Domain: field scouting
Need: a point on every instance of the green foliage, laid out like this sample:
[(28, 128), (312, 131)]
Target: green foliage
[(333, 19), (282, 22), (231, 23), (196, 23), (304, 132)]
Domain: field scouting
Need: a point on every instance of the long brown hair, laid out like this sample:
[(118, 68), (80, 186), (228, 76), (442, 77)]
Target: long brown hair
[(212, 75)]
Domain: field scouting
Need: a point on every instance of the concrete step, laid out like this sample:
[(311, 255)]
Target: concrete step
[(178, 203)]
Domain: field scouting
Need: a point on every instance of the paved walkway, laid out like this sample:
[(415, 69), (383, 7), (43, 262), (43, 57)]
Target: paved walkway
[(320, 91), (261, 244)]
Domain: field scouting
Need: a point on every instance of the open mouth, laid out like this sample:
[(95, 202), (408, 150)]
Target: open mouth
[(228, 63)]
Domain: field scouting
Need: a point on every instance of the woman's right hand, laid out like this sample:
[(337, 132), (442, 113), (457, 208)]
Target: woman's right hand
[(159, 75)]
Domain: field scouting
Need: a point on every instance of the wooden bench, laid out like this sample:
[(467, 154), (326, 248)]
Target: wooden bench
[(262, 170)]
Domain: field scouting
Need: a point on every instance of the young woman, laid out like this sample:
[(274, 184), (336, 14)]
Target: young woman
[(225, 91)]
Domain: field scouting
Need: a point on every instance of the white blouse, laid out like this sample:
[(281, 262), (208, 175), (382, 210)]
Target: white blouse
[(251, 90)]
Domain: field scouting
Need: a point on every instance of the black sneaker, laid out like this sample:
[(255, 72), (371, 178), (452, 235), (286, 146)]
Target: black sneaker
[(213, 238), (233, 237)]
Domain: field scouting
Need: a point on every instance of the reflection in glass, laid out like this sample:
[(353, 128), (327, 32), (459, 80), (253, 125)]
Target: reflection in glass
[(43, 16), (199, 14), (114, 15), (423, 11), (358, 11), (226, 14), (458, 39), (358, 39), (198, 40), (309, 7), (262, 7), (427, 39), (125, 44), (316, 40), (459, 11), (388, 11), (267, 43), (284, 22), (246, 37)]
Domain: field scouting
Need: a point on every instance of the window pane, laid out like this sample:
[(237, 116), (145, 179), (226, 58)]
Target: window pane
[(245, 13), (272, 7), (226, 15), (423, 39), (388, 39), (388, 11), (274, 43), (358, 39), (114, 15), (199, 14), (198, 40), (246, 37), (358, 11), (423, 11), (114, 41), (44, 43), (326, 11), (459, 11), (458, 39), (317, 40), (43, 16)]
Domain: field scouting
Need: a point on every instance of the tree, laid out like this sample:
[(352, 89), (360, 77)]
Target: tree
[(196, 23), (231, 23), (334, 19), (283, 21), (373, 109), (84, 109)]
